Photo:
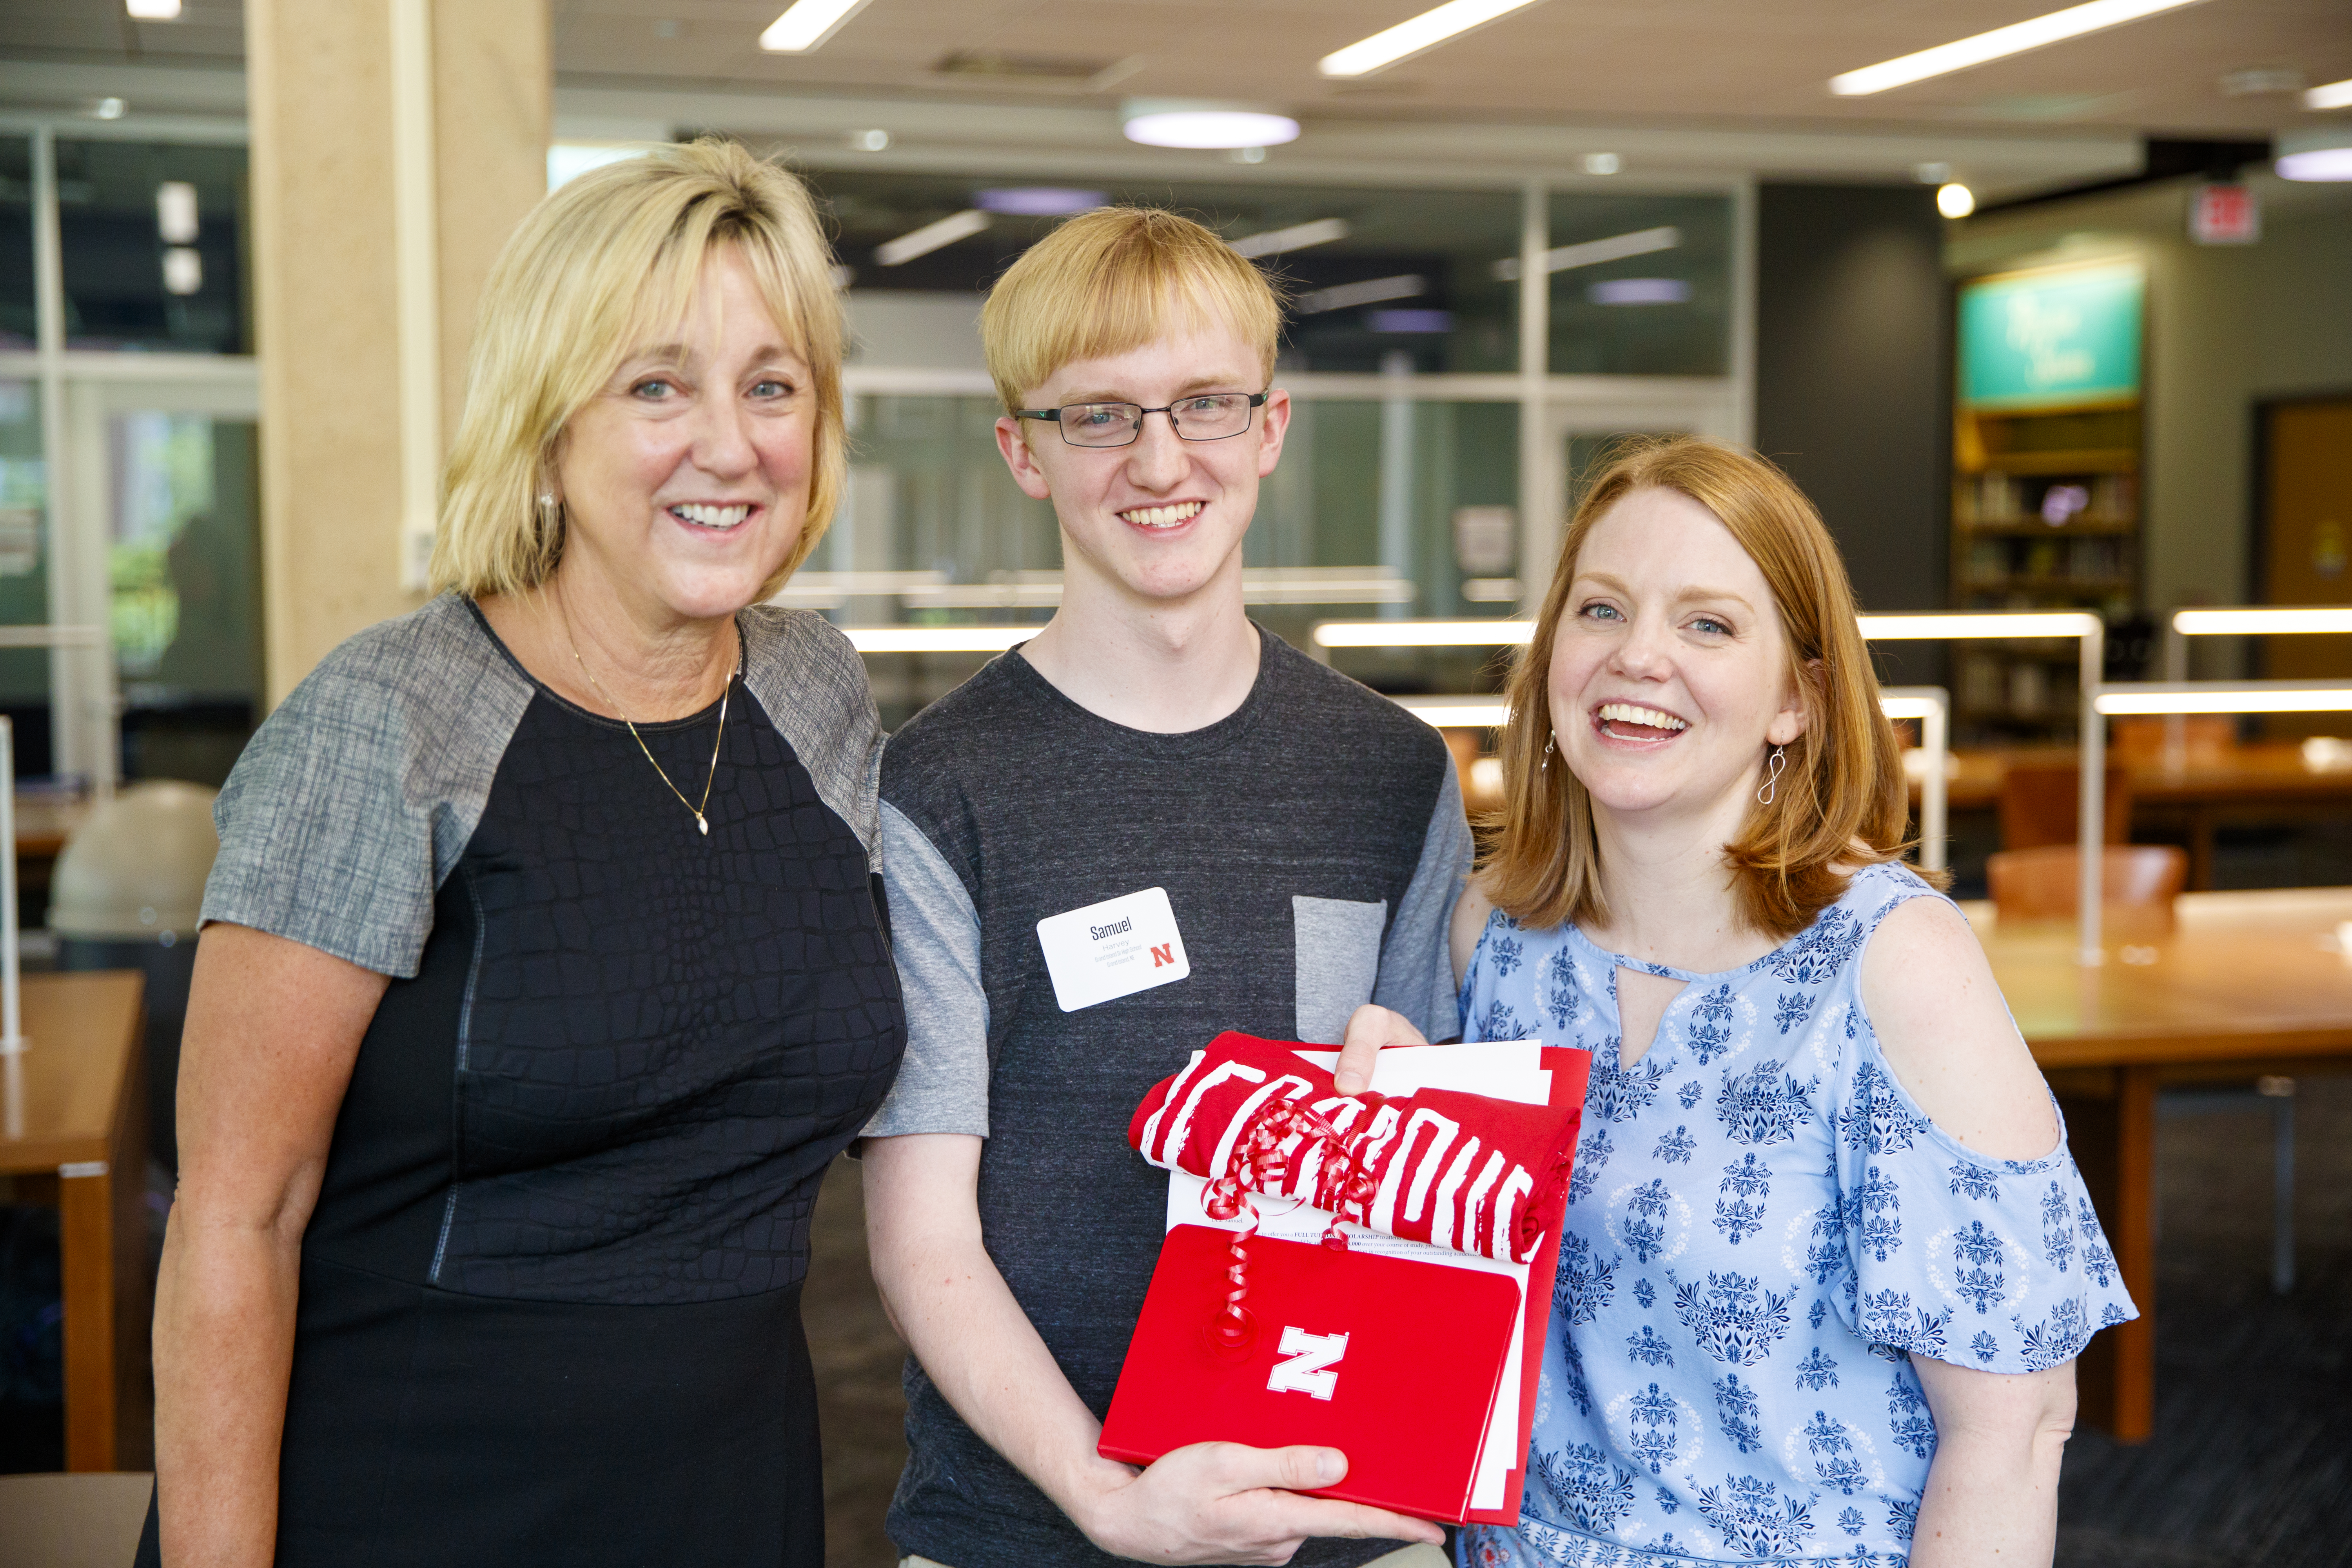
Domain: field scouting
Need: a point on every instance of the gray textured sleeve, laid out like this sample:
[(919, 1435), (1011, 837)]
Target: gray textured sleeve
[(813, 684), (942, 1084), (356, 798), (1416, 974)]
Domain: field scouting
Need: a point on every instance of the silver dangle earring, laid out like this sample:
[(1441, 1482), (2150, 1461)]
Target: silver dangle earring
[(550, 512), (1772, 776), (1546, 763)]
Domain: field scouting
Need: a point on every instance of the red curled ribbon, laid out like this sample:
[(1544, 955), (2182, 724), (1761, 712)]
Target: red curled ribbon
[(1257, 1163)]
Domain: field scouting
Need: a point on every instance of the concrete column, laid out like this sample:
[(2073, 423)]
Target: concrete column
[(327, 247)]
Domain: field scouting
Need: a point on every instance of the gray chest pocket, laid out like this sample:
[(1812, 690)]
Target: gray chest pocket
[(1338, 945)]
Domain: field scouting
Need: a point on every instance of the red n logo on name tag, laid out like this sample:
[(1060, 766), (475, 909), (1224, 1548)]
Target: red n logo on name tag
[(1160, 956)]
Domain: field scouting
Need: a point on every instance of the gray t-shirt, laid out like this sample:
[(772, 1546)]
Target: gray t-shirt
[(1311, 845)]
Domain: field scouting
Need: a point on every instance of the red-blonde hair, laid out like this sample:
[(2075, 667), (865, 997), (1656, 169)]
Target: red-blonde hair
[(1842, 802)]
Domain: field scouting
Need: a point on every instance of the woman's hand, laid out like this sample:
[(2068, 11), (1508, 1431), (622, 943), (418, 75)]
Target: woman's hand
[(273, 1030)]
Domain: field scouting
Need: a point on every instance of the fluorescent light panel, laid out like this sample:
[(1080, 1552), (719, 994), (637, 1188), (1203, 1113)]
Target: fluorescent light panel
[(930, 237), (1411, 37), (2228, 697), (807, 24), (152, 10), (937, 639), (1458, 712), (1985, 624), (1298, 236), (2333, 95), (1346, 296), (1592, 252), (1424, 634), (2262, 622), (2019, 37), (1908, 707)]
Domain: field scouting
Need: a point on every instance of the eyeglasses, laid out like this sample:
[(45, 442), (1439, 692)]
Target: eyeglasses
[(1211, 416)]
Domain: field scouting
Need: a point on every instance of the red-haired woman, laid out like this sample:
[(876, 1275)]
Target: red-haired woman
[(1827, 1262)]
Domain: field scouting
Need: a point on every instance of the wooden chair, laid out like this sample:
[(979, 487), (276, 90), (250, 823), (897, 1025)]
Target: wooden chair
[(2041, 803), (2136, 881)]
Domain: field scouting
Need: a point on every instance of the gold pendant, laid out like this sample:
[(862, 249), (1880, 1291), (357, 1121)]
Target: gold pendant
[(703, 823)]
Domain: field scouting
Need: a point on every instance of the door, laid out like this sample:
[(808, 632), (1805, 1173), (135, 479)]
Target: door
[(162, 548), (2305, 538)]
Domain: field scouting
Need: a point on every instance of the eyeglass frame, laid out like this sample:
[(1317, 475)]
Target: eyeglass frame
[(1054, 416)]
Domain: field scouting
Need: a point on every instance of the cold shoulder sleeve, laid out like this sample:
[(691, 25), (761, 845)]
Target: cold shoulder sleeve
[(1999, 1265)]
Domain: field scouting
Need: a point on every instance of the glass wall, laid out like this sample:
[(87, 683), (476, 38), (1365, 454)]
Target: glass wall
[(1376, 278), (24, 572), (16, 316), (183, 580), (1641, 285), (152, 238)]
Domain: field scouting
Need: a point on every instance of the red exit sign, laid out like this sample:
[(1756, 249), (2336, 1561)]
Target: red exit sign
[(2224, 215)]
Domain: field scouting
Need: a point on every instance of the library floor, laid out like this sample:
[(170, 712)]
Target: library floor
[(2253, 1462)]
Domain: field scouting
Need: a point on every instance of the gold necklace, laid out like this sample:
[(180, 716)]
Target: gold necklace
[(700, 821)]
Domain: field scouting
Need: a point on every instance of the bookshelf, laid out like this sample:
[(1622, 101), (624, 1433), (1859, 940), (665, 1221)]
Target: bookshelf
[(2046, 474)]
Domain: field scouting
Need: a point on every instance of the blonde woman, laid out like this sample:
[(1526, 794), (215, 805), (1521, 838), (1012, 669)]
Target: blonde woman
[(1826, 1263), (541, 976)]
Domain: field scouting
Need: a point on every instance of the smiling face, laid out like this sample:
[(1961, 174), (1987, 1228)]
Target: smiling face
[(685, 480), (1670, 675), (1162, 519)]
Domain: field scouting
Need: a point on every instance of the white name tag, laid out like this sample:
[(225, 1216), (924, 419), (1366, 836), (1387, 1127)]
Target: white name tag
[(1113, 948)]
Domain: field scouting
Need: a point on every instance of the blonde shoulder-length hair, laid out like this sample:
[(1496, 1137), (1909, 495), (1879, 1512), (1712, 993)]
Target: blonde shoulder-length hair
[(599, 265), (1842, 802)]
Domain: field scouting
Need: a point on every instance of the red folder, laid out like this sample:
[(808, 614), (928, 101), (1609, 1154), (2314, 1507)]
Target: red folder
[(1410, 1394)]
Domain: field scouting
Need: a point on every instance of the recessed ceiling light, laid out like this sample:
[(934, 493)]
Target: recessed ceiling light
[(1036, 201), (806, 24), (872, 140), (1416, 34), (1956, 200), (930, 238), (1602, 162), (1169, 122), (107, 109), (2315, 154), (2335, 95), (2016, 38), (1298, 236), (176, 212), (154, 11)]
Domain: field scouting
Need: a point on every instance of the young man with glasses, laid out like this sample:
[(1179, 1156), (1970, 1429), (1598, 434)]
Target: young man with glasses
[(1151, 777)]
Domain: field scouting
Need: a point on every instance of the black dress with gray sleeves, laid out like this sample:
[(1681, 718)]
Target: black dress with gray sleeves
[(550, 1306)]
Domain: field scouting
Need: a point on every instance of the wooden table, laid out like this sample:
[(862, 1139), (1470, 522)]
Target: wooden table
[(73, 1131), (2246, 984)]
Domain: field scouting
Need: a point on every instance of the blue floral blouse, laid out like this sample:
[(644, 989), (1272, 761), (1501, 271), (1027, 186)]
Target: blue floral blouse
[(1762, 1230)]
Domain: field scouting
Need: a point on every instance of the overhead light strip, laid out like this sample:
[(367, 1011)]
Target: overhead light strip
[(2228, 697), (1593, 252), (930, 237), (1414, 35), (2262, 622), (1298, 236), (2016, 38), (807, 24), (2333, 95)]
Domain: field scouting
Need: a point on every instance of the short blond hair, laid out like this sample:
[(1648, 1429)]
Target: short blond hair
[(1843, 801), (612, 256), (1113, 279)]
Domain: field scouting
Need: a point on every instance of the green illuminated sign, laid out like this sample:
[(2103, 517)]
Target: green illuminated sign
[(2067, 335)]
